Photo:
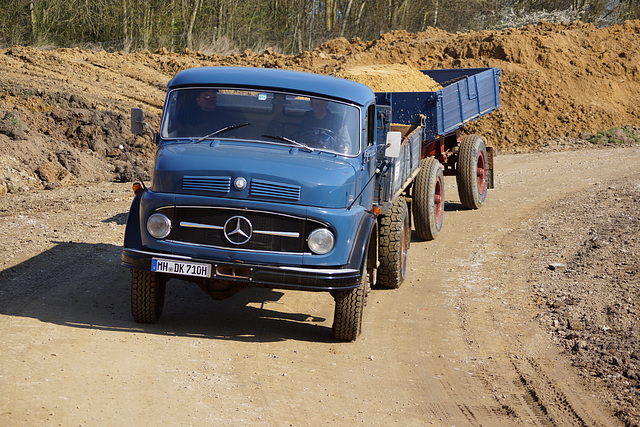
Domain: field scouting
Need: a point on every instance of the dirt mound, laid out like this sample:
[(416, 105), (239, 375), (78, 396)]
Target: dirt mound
[(390, 78), (558, 81)]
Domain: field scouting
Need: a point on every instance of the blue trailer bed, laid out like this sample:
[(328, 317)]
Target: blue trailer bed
[(466, 94)]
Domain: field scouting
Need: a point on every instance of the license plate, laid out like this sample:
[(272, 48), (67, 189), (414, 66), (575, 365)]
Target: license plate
[(180, 267)]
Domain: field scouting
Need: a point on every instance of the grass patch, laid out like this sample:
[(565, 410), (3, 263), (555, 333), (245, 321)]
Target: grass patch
[(617, 136)]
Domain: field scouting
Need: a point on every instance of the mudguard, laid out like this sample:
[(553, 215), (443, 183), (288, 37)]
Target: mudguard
[(361, 242), (132, 238)]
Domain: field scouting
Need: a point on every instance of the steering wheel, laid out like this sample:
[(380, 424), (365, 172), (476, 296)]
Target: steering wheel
[(319, 137)]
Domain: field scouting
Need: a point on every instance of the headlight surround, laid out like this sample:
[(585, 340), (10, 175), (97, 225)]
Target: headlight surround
[(159, 226), (321, 241)]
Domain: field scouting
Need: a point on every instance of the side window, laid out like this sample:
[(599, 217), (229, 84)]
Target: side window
[(370, 123)]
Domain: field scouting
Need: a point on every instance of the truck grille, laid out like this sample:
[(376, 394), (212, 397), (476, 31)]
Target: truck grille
[(243, 229), (219, 184), (274, 189), (258, 187)]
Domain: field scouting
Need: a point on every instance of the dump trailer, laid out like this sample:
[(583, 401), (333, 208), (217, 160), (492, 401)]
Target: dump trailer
[(292, 180)]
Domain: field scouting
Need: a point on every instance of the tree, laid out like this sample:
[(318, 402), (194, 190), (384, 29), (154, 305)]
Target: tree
[(287, 25), (192, 22)]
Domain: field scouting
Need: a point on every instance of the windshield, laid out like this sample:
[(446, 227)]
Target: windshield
[(291, 119)]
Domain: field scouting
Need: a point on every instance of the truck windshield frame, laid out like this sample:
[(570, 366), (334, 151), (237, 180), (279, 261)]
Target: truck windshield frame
[(269, 117)]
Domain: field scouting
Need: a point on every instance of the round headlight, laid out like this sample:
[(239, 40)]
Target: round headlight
[(159, 226), (321, 241)]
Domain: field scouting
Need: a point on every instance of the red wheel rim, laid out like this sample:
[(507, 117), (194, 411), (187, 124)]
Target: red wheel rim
[(438, 203), (403, 254), (481, 173)]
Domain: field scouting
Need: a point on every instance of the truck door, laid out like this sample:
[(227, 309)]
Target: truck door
[(369, 161)]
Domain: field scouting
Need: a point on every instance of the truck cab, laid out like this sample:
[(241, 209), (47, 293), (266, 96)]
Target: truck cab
[(262, 178)]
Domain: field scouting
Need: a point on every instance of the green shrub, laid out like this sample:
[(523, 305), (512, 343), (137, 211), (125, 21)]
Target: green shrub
[(617, 136)]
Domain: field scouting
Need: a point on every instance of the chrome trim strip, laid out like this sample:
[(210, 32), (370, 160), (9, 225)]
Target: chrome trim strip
[(196, 225), (291, 234), (278, 233)]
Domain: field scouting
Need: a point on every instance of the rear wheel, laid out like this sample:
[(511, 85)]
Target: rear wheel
[(472, 176), (147, 296), (395, 235), (428, 199), (349, 307)]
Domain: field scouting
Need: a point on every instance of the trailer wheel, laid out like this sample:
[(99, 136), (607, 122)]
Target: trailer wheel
[(349, 307), (147, 296), (395, 235), (472, 172), (428, 200)]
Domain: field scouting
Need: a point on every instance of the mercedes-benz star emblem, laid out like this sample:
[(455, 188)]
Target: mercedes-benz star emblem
[(238, 230)]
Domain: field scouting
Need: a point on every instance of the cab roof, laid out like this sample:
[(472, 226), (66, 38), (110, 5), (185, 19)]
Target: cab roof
[(277, 80)]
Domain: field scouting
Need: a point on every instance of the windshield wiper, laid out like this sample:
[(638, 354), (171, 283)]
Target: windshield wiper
[(290, 141), (224, 129)]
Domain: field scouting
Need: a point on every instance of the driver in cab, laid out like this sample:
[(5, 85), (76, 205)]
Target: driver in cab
[(205, 115), (209, 116)]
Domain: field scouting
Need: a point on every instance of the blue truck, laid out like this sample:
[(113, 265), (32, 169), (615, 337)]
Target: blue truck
[(292, 180)]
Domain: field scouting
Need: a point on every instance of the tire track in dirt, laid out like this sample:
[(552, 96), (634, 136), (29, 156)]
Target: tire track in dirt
[(505, 321)]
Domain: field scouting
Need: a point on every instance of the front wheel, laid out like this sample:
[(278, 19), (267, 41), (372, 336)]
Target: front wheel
[(395, 235), (349, 307), (428, 199), (147, 296), (472, 178)]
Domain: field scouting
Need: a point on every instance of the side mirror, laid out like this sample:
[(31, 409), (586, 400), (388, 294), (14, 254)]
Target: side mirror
[(137, 121), (394, 139)]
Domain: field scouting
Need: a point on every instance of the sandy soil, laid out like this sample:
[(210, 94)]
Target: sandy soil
[(64, 112), (524, 312), (471, 338)]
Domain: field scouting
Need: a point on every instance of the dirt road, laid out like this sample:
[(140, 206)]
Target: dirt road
[(458, 344)]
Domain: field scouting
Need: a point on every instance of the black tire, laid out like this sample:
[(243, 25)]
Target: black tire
[(395, 235), (428, 199), (147, 296), (472, 175), (349, 308)]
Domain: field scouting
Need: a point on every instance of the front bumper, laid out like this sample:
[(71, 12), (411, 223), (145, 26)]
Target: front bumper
[(283, 277)]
